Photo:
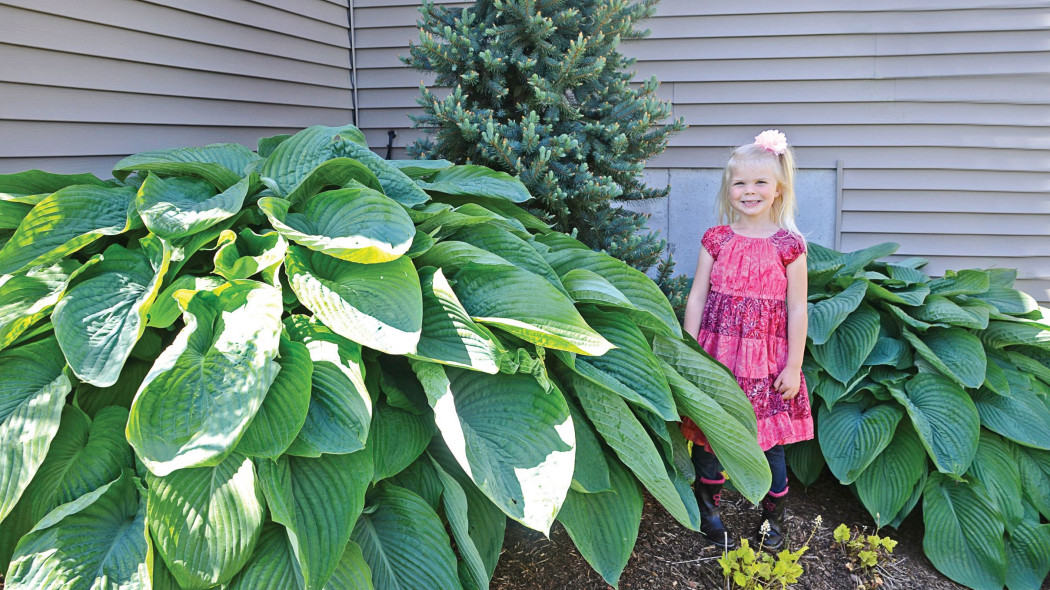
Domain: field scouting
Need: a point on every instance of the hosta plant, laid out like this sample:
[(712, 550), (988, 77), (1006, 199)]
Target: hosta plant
[(935, 389), (306, 367)]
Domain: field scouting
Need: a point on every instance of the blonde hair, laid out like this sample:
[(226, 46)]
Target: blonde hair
[(783, 168)]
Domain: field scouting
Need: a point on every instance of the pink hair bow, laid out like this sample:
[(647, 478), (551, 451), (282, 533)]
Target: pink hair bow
[(772, 140)]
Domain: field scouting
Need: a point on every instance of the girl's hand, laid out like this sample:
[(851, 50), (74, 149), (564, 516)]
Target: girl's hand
[(788, 382)]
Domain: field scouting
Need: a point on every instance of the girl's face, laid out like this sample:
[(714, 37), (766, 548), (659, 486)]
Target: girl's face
[(752, 192)]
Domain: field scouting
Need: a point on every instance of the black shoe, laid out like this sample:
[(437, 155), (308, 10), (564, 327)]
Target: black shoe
[(708, 497), (773, 513)]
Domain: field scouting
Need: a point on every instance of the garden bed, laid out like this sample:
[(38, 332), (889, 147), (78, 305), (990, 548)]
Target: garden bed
[(668, 556)]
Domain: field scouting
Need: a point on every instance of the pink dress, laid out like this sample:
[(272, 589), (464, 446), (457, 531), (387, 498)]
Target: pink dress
[(744, 326)]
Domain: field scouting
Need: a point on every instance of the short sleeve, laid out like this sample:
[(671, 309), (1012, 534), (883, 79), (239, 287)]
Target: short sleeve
[(714, 238), (790, 246)]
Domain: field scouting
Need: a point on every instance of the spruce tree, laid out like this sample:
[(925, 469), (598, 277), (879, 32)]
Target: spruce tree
[(540, 90)]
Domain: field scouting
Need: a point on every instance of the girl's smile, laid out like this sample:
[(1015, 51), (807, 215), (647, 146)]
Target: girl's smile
[(753, 192)]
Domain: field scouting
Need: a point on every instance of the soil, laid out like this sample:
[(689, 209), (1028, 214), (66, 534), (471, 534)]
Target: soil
[(668, 556)]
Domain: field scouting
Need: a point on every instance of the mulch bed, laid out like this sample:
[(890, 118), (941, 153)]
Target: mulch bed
[(668, 556)]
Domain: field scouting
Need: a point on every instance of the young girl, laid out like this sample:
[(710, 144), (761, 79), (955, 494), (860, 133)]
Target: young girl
[(747, 308)]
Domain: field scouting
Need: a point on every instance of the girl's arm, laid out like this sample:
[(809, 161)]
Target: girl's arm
[(694, 304), (789, 380)]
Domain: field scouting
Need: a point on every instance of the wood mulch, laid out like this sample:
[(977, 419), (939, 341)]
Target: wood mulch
[(670, 557)]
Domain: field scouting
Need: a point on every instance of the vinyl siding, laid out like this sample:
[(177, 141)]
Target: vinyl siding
[(83, 84), (938, 111)]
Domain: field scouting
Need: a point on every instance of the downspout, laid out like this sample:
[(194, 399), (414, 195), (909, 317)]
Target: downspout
[(353, 60)]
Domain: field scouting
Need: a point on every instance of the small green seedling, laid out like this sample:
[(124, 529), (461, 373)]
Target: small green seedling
[(864, 552), (745, 568)]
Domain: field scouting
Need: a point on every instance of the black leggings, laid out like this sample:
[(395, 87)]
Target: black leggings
[(709, 470)]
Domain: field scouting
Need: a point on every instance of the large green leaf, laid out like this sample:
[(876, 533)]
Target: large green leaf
[(502, 207), (996, 379), (318, 501), (243, 255), (511, 248), (165, 309), (295, 158), (273, 565), (709, 376), (103, 312), (585, 286), (963, 282), (806, 461), (206, 387), (206, 520), (1003, 334), (831, 390), (449, 336), (397, 438), (405, 544), (178, 207), (12, 213), (487, 522), (826, 315), (945, 418), (1034, 467), (887, 484), (1008, 300), (477, 180), (340, 408), (39, 182), (854, 433), (652, 310), (1027, 556), (854, 262), (733, 442), (420, 168), (441, 222), (337, 172), (451, 255), (473, 571), (83, 456), (221, 164), (97, 541), (396, 184), (355, 224), (848, 346), (604, 526), (92, 399), (515, 440), (32, 393), (29, 296), (964, 533), (591, 473), (1036, 367), (1021, 416), (911, 295), (65, 222), (526, 306), (630, 369), (626, 436), (377, 305), (283, 413), (938, 309), (995, 467), (954, 352)]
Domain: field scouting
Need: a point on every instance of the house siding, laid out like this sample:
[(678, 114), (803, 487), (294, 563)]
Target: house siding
[(83, 84), (932, 119), (938, 114)]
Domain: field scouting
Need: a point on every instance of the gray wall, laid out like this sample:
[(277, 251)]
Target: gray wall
[(939, 110), (86, 82)]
